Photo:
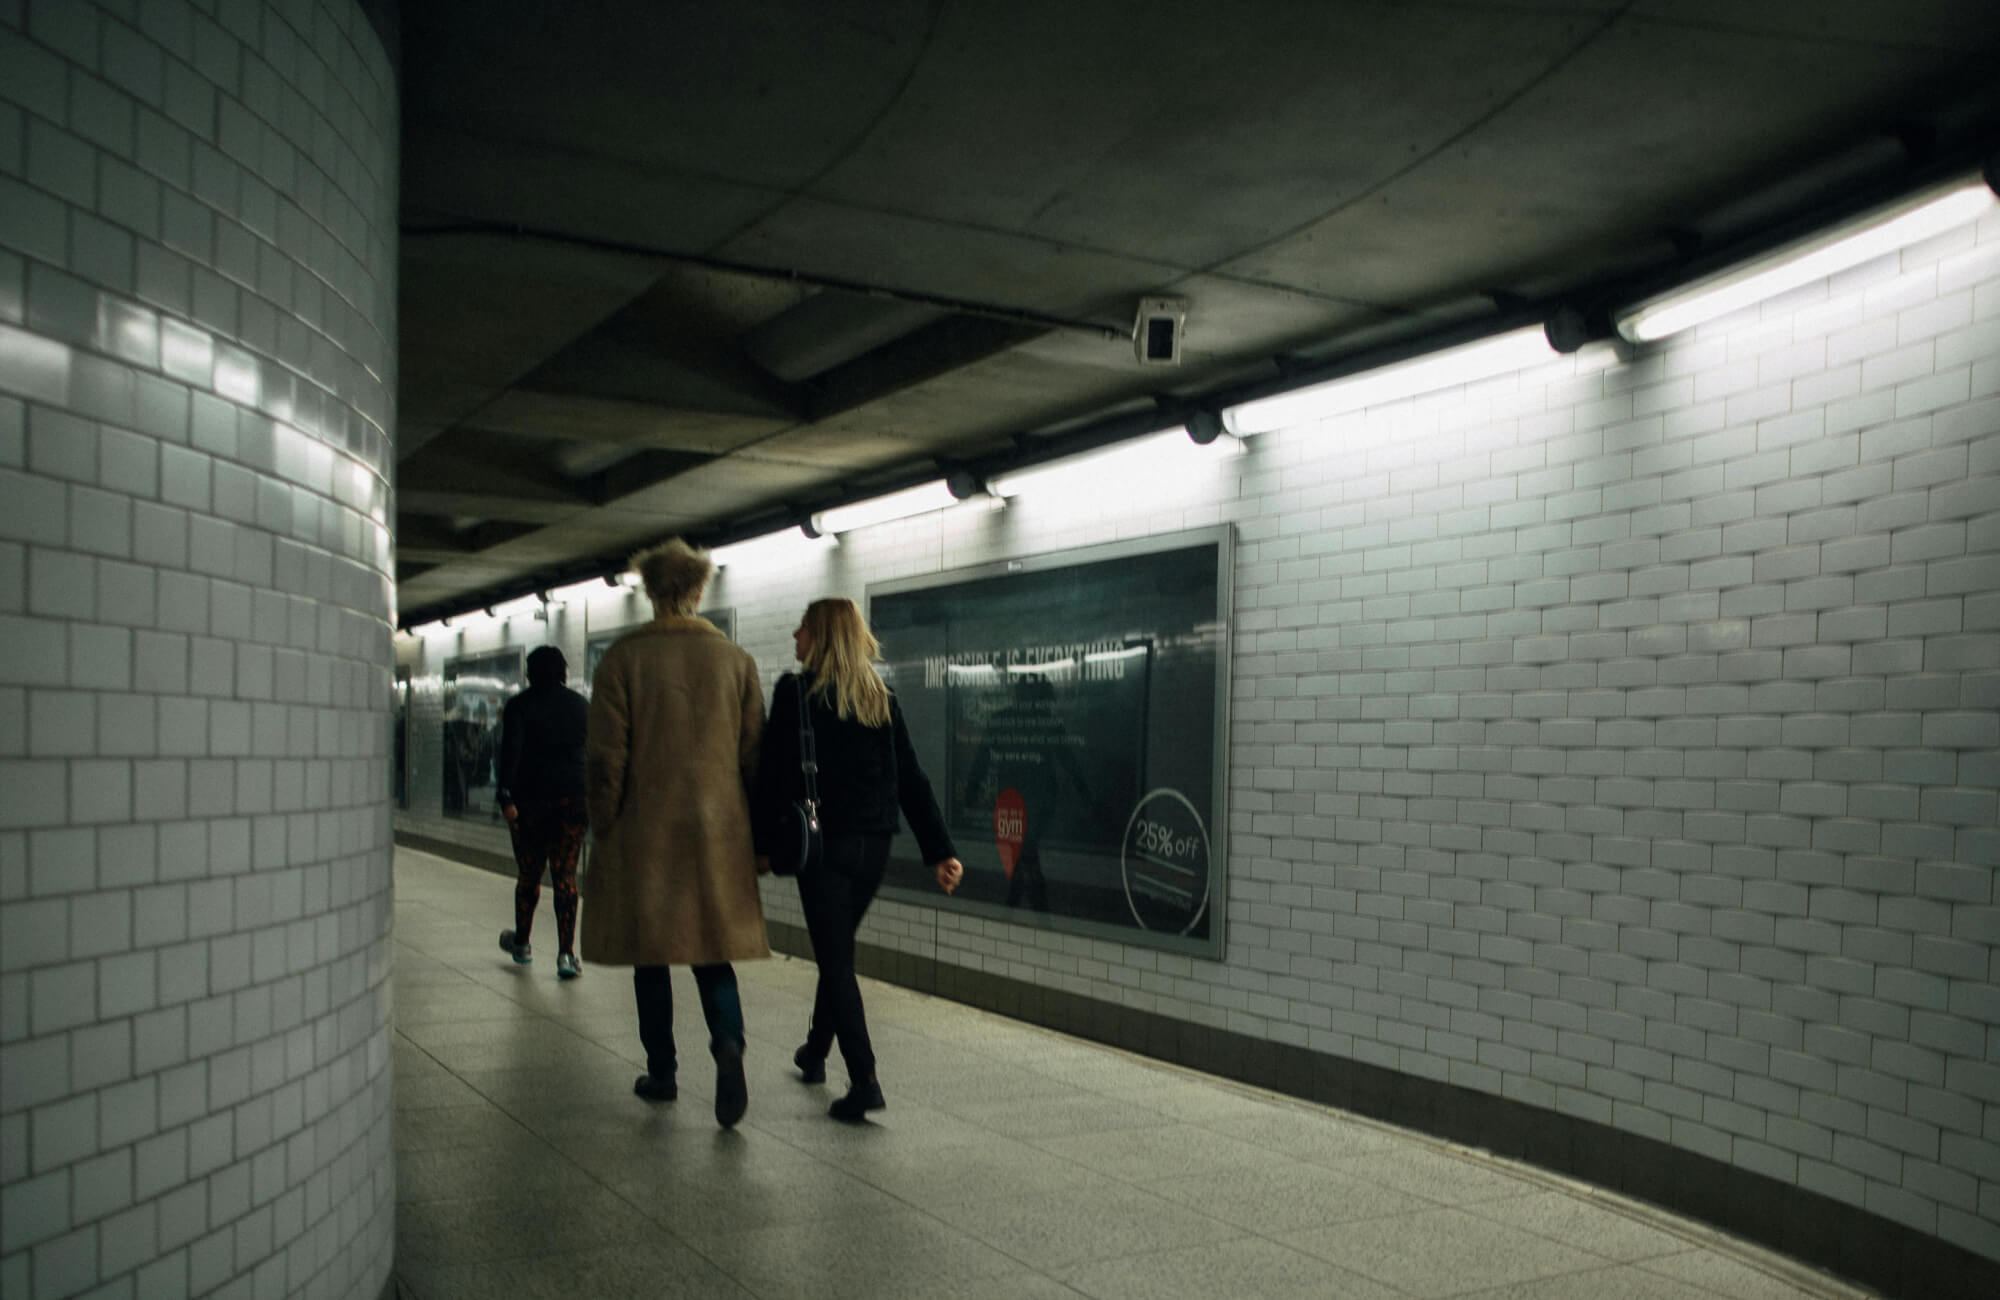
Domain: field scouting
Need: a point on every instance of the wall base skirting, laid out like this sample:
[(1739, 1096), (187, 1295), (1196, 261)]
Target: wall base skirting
[(484, 859), (1845, 1240)]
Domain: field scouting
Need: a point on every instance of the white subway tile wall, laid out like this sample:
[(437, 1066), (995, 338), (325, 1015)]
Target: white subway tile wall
[(1620, 737), (197, 250)]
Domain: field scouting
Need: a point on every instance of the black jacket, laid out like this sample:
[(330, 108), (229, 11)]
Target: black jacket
[(541, 745), (865, 774)]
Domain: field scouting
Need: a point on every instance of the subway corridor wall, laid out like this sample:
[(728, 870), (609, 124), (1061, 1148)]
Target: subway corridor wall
[(197, 354)]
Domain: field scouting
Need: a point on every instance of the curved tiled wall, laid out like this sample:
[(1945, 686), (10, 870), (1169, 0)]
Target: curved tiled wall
[(197, 252)]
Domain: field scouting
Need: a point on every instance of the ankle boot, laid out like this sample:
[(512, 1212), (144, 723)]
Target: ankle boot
[(862, 1096)]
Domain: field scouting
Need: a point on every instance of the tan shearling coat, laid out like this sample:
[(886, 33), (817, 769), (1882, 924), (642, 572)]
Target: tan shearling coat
[(675, 717)]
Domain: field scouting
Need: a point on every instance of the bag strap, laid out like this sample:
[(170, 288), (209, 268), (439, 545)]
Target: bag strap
[(808, 751)]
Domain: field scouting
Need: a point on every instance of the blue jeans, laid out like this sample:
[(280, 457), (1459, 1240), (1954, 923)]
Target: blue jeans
[(721, 1006)]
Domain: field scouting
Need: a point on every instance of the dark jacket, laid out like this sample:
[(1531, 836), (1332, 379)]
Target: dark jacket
[(865, 774), (541, 745)]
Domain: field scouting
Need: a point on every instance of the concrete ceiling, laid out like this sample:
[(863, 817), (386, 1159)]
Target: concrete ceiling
[(684, 267)]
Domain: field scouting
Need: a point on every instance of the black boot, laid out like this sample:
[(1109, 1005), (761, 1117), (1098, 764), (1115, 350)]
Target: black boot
[(861, 1098), (732, 1094)]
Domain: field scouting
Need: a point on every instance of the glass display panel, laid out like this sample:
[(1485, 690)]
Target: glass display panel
[(1069, 711), (476, 687)]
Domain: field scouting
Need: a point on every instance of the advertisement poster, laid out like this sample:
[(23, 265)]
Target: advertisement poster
[(1068, 710)]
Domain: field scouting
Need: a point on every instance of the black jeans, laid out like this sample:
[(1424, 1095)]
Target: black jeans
[(836, 895), (721, 1006)]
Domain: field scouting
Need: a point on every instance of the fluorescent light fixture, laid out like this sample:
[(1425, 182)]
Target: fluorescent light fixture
[(919, 500), (770, 550), (518, 608), (1467, 363), (576, 592), (1156, 463), (1108, 656), (1851, 243)]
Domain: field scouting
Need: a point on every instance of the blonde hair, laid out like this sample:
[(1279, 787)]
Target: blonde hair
[(675, 575), (840, 654)]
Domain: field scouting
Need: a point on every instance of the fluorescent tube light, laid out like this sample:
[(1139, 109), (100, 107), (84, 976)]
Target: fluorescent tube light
[(577, 592), (1831, 251), (919, 500), (1157, 462), (771, 549), (520, 607), (1464, 364)]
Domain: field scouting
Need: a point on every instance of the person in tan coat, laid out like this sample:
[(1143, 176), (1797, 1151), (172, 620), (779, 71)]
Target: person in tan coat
[(675, 718)]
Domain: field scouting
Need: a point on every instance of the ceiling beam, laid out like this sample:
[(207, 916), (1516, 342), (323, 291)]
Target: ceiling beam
[(643, 469), (434, 539), (924, 354)]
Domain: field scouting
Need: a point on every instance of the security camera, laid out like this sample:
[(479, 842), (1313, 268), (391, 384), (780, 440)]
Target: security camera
[(1156, 334)]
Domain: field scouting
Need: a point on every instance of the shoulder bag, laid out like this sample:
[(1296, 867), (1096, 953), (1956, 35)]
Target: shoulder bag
[(795, 841)]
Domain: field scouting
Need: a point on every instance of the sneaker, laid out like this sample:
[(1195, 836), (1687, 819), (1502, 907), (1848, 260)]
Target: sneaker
[(656, 1087), (860, 1099), (566, 966), (732, 1095), (812, 1067), (521, 952)]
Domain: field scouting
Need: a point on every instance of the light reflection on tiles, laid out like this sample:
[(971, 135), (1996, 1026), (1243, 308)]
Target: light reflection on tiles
[(186, 353), (34, 366), (318, 439), (128, 332), (237, 375)]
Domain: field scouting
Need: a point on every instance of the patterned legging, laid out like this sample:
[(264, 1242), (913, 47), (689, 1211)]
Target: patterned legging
[(548, 833)]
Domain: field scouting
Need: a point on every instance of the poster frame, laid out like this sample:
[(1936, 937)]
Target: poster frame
[(1223, 538)]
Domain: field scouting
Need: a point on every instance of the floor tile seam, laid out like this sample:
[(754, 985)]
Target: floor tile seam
[(1665, 1226), (1703, 1236), (1237, 1234), (1813, 1283), (1595, 1261), (534, 1012), (696, 1245), (558, 1152)]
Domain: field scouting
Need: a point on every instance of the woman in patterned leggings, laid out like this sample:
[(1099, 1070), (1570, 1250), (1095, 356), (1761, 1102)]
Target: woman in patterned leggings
[(541, 795)]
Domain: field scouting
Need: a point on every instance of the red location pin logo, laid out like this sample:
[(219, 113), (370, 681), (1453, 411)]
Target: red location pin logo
[(1010, 826)]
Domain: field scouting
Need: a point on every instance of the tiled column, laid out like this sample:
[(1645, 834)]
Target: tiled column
[(197, 251)]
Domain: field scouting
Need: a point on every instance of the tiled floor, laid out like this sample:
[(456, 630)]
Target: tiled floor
[(1011, 1164)]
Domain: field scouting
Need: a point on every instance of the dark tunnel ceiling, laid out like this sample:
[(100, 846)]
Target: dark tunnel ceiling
[(668, 267)]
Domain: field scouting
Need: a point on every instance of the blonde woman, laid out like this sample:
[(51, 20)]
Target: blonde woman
[(867, 770), (675, 717)]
